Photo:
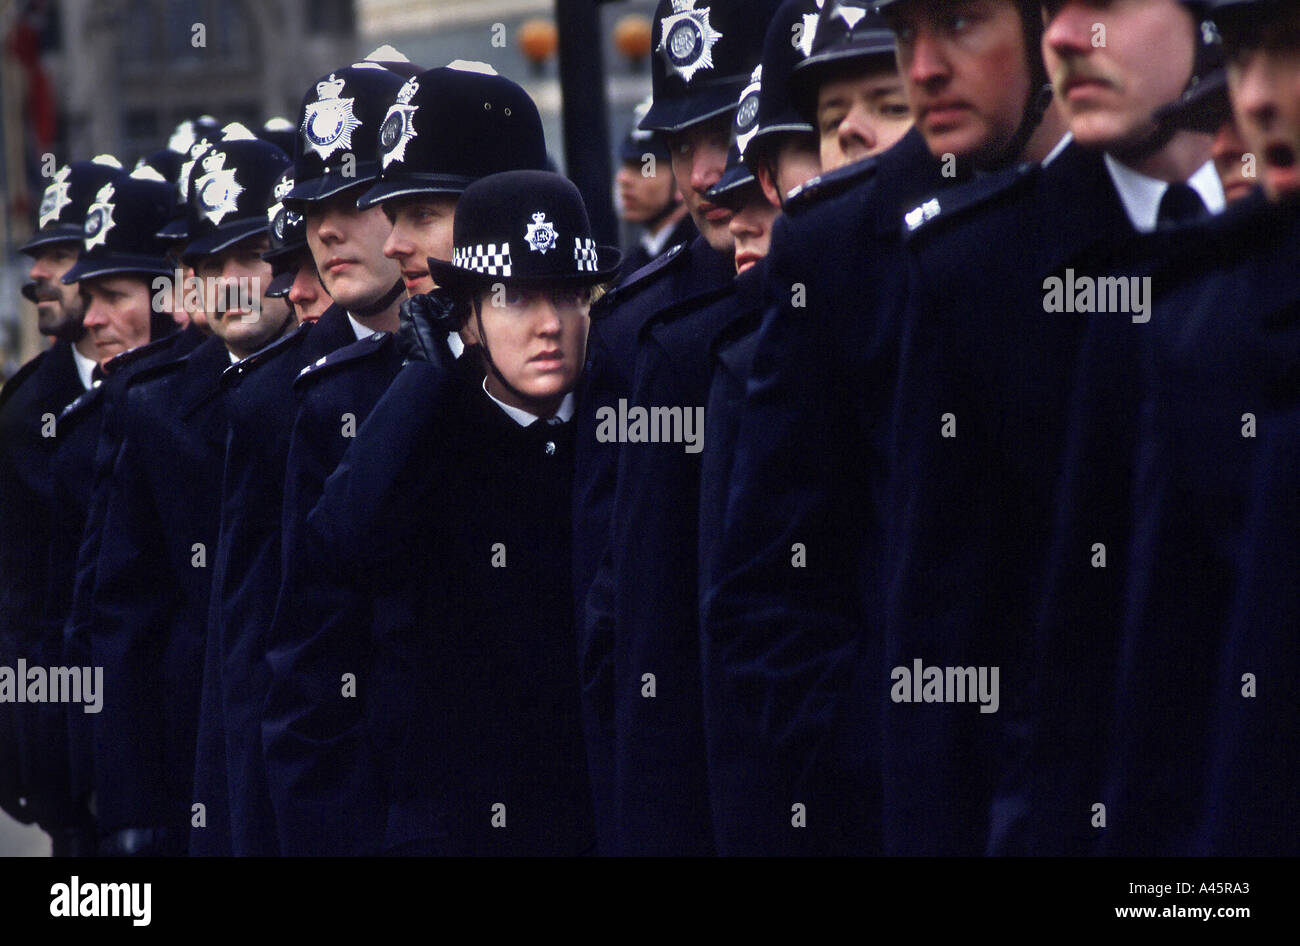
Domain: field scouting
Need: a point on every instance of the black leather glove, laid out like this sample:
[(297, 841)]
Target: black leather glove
[(426, 321)]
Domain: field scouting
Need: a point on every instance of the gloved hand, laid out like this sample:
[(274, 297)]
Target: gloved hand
[(426, 321)]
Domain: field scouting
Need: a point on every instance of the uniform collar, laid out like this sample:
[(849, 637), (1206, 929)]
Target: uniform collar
[(85, 366), (359, 330), (656, 243), (525, 419), (1141, 195)]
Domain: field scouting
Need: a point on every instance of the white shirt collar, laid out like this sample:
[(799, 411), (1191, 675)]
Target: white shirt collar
[(655, 243), (453, 340), (1141, 195), (85, 367), (523, 418), (360, 330)]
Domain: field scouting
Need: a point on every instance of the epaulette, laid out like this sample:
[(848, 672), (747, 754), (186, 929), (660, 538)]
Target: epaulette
[(959, 201), (82, 401), (149, 372), (132, 355), (240, 369), (664, 262), (831, 184), (21, 375), (361, 348)]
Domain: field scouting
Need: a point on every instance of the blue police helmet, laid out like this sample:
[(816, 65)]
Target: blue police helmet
[(445, 128), (702, 58)]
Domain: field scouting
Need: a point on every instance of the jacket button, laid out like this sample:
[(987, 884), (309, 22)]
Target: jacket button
[(550, 448)]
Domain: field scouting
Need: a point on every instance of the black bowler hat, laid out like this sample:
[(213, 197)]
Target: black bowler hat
[(638, 143), (447, 127), (848, 34), (702, 58), (229, 189), (120, 233), (738, 173), (66, 198), (789, 41), (338, 131), (523, 226)]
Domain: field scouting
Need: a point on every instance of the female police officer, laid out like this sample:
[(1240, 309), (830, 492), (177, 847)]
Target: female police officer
[(452, 505)]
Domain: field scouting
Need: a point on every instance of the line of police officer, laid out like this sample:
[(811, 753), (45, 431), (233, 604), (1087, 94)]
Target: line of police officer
[(907, 457)]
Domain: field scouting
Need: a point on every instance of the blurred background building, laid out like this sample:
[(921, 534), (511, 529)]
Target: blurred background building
[(83, 77)]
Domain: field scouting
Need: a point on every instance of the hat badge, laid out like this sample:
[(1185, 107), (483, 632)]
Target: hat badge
[(187, 168), (805, 44), (688, 39), (217, 190), (747, 112), (329, 122), (56, 196), (541, 235), (99, 218), (850, 15), (399, 125)]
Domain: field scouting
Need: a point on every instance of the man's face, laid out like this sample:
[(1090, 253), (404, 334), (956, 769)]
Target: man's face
[(699, 158), (117, 313), (422, 228), (751, 228), (232, 284), (861, 115), (1112, 64), (348, 247), (1228, 152), (643, 197), (537, 338), (966, 74), (1264, 85), (58, 306), (307, 296)]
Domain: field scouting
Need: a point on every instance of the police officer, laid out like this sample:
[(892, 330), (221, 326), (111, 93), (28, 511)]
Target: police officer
[(992, 398), (639, 642), (161, 515), (29, 406), (472, 719), (648, 195), (792, 612), (120, 258), (1248, 808), (848, 86), (439, 131), (293, 271)]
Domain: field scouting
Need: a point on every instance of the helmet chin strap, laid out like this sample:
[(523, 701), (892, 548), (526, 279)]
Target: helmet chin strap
[(1040, 100), (380, 305), (487, 353)]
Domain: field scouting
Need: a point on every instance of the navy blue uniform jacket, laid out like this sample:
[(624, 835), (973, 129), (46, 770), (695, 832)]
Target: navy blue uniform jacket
[(681, 280), (30, 403), (151, 590), (260, 407), (789, 614)]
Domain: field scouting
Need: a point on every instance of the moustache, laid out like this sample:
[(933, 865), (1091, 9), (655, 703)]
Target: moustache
[(40, 292)]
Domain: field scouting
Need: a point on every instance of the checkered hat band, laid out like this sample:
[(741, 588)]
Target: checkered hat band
[(490, 260), (584, 254)]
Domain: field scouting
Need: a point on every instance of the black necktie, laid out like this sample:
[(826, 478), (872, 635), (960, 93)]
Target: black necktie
[(1181, 205)]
